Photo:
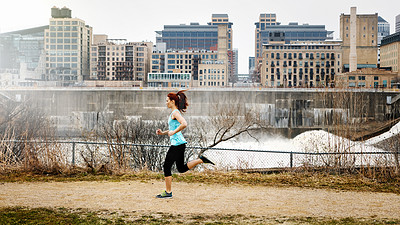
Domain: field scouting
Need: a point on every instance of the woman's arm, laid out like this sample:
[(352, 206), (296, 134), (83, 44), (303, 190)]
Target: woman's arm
[(181, 120), (160, 132)]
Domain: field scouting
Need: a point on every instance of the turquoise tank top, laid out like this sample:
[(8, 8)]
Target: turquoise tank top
[(176, 139)]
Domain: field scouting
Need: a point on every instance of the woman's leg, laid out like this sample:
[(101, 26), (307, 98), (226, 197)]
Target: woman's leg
[(168, 184), (180, 160), (169, 161), (194, 163)]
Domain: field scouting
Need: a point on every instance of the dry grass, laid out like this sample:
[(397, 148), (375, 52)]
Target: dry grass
[(319, 180), (19, 215)]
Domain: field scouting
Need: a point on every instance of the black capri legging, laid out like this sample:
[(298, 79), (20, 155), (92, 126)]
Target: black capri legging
[(175, 154)]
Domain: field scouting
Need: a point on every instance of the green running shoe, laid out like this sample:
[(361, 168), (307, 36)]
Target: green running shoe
[(205, 160), (164, 194)]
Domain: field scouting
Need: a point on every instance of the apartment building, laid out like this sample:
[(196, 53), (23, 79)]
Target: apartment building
[(364, 32), (390, 52), (67, 47), (120, 60), (300, 64)]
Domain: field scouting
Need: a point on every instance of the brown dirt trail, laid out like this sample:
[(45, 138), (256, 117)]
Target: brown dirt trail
[(195, 198)]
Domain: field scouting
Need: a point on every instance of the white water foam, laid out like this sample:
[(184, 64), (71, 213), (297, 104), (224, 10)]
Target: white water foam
[(316, 141), (395, 130)]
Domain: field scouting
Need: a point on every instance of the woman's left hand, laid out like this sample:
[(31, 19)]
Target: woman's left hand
[(170, 133)]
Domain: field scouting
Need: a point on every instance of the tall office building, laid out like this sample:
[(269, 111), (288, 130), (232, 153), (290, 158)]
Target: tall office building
[(207, 68), (383, 29), (67, 46), (362, 35), (268, 29), (398, 23), (195, 36), (22, 54), (189, 37)]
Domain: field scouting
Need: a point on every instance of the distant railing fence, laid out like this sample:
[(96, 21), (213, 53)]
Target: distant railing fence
[(139, 156)]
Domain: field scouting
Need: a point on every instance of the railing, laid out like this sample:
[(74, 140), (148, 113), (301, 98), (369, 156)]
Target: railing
[(152, 156)]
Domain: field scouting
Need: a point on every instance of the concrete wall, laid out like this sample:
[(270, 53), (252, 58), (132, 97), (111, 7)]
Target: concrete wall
[(75, 110)]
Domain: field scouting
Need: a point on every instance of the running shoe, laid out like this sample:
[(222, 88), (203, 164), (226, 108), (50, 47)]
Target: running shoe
[(205, 160), (164, 194)]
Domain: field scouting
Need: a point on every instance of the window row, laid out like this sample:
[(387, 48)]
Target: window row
[(212, 77), (62, 47), (300, 55), (62, 34), (189, 34), (169, 76), (66, 23), (300, 63)]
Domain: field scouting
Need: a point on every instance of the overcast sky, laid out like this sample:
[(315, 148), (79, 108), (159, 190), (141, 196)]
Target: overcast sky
[(138, 20)]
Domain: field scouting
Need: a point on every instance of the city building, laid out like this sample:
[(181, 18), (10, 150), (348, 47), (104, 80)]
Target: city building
[(252, 65), (397, 26), (265, 19), (208, 68), (199, 37), (268, 29), (368, 78), (120, 60), (184, 61), (390, 52), (233, 64), (179, 80), (217, 19), (300, 64), (383, 29), (67, 47), (359, 33), (189, 37), (22, 57)]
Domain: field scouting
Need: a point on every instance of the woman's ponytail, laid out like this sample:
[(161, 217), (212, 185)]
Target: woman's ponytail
[(181, 101)]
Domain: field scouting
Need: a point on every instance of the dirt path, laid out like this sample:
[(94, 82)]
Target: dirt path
[(201, 199)]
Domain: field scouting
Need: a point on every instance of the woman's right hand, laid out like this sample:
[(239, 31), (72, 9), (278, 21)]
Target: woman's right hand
[(159, 132)]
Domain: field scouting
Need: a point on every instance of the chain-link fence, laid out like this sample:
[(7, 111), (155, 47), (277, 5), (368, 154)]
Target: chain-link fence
[(145, 156)]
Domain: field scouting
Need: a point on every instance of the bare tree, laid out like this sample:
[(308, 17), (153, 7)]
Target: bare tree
[(228, 122)]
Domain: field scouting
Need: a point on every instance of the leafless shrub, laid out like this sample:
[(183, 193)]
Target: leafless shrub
[(130, 145), (21, 127)]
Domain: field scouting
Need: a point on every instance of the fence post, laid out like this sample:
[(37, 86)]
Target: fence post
[(291, 159), (73, 153)]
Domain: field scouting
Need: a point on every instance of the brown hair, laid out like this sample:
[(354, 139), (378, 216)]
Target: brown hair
[(181, 101)]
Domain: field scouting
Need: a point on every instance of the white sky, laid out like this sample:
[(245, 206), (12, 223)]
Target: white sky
[(138, 20)]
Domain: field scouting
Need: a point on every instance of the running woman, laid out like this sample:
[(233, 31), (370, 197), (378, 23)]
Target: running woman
[(178, 104)]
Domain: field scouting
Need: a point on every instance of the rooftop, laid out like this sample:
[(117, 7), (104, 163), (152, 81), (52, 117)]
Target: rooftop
[(391, 39), (220, 15), (27, 31)]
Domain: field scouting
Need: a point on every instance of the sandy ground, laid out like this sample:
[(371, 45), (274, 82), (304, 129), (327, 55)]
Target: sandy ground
[(189, 198)]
